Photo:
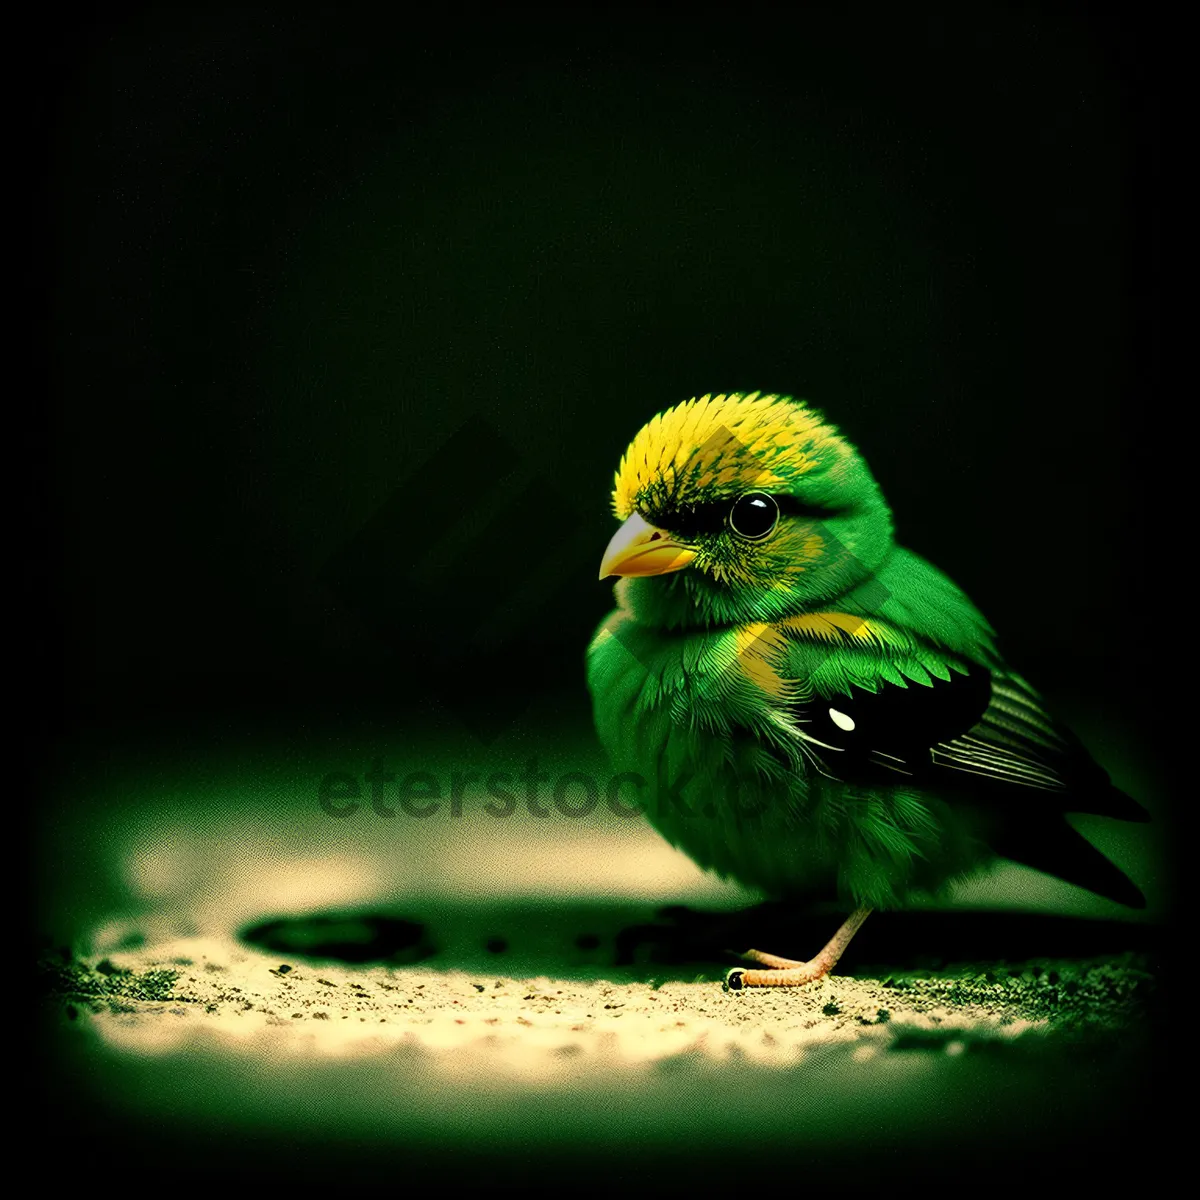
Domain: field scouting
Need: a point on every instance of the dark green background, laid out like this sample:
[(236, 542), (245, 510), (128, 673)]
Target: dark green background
[(293, 255)]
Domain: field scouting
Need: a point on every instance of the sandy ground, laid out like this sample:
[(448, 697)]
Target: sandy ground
[(235, 981), (212, 989)]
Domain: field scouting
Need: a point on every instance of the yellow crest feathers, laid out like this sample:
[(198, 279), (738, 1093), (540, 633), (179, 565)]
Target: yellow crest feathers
[(722, 445)]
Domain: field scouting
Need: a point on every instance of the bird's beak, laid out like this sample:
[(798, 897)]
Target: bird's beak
[(637, 548)]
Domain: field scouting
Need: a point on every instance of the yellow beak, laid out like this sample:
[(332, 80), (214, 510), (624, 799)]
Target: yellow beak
[(637, 548)]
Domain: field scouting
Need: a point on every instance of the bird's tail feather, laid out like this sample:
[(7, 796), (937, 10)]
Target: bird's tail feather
[(1110, 801), (1058, 849)]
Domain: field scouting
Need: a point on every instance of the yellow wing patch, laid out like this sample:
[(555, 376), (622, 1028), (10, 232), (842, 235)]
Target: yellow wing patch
[(756, 645), (846, 628), (760, 646)]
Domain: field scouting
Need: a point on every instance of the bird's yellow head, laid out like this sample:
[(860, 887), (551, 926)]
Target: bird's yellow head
[(742, 508)]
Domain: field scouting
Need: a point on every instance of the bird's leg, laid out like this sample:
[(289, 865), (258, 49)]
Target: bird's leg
[(786, 972), (771, 960)]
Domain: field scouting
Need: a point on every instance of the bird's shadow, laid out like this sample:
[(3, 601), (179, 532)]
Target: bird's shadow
[(633, 942)]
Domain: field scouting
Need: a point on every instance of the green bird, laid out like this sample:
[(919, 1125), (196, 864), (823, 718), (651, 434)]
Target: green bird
[(821, 711)]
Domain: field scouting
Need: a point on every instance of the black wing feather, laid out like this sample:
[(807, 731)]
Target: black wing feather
[(981, 735)]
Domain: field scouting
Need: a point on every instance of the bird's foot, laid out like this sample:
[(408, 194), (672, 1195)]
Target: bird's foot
[(795, 975), (787, 972)]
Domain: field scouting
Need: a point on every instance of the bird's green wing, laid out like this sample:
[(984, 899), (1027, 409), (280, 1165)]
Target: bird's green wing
[(875, 702)]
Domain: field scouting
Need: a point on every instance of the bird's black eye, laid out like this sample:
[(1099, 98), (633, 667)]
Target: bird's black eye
[(754, 515)]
